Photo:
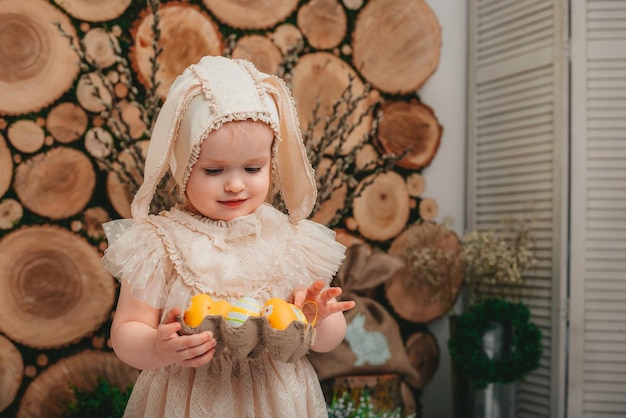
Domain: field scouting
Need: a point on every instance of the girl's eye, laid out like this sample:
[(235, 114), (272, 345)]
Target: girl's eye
[(253, 169), (212, 171)]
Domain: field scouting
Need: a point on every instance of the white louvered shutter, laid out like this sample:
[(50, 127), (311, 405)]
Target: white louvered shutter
[(517, 160), (597, 363)]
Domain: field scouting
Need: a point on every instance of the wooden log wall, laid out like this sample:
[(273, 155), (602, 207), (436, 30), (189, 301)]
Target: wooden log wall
[(59, 152)]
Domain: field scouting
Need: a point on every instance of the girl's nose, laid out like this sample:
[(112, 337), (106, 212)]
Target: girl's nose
[(234, 184)]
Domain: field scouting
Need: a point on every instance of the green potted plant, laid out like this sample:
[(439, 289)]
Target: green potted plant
[(494, 342), (104, 400)]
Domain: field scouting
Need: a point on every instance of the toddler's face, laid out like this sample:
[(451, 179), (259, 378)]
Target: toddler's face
[(232, 176)]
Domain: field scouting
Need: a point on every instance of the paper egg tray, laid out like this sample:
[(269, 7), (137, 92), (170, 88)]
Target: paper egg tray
[(256, 336)]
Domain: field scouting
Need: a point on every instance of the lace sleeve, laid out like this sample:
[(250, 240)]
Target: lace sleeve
[(137, 255), (323, 255)]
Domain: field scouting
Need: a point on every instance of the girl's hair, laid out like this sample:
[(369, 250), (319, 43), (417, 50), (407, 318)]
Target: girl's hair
[(167, 194)]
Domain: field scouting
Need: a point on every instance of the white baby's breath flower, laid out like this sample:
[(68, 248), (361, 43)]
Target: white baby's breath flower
[(496, 260)]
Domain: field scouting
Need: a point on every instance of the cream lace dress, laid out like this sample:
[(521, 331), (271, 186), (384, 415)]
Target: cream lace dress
[(177, 254)]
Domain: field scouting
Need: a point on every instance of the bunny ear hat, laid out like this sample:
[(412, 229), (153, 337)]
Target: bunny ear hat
[(208, 94)]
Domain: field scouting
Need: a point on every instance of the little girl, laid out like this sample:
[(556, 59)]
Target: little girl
[(228, 134)]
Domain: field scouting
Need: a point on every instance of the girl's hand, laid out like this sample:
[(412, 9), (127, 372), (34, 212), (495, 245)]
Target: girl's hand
[(325, 299), (185, 350)]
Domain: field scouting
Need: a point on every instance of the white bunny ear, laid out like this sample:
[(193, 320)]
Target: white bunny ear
[(162, 142), (296, 178)]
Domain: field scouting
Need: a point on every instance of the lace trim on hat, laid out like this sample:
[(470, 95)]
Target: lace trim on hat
[(254, 74)]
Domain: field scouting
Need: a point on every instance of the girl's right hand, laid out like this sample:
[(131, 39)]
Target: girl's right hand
[(184, 350)]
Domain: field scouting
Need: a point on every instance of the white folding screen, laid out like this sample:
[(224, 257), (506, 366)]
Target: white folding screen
[(517, 160), (597, 355)]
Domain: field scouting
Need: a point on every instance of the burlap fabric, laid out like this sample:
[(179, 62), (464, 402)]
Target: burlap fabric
[(373, 343)]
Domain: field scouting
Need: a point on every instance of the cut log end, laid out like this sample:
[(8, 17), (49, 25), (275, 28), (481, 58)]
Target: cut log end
[(38, 65), (48, 184), (12, 367), (26, 136), (45, 397), (245, 14), (47, 301), (323, 23), (423, 353), (396, 44), (421, 293), (259, 50), (382, 210), (177, 21), (67, 122), (413, 126)]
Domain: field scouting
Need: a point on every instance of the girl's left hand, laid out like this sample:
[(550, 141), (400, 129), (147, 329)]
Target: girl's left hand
[(325, 298)]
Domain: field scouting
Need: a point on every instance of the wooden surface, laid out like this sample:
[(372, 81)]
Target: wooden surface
[(410, 125), (6, 166), (417, 298), (94, 10), (32, 54), (396, 44), (259, 50), (67, 122), (319, 80), (323, 23), (12, 369), (26, 136), (245, 14), (424, 355), (47, 183), (178, 21), (382, 210), (47, 398), (60, 145), (53, 287)]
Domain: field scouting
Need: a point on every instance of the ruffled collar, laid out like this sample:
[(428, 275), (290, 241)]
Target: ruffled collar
[(253, 224), (182, 211)]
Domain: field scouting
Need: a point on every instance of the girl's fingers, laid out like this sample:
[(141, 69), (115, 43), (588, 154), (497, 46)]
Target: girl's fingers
[(170, 326), (200, 359), (191, 342), (315, 289), (195, 355), (298, 296), (188, 346), (166, 331), (198, 347), (345, 306), (331, 293), (171, 315)]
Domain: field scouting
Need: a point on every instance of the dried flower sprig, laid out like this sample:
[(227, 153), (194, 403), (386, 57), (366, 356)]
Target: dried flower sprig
[(335, 166), (496, 260), (125, 156), (433, 260), (432, 265)]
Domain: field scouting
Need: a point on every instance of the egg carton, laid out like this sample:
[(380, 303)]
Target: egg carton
[(255, 336)]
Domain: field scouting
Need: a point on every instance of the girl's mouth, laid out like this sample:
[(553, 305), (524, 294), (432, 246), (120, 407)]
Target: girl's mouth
[(233, 203)]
